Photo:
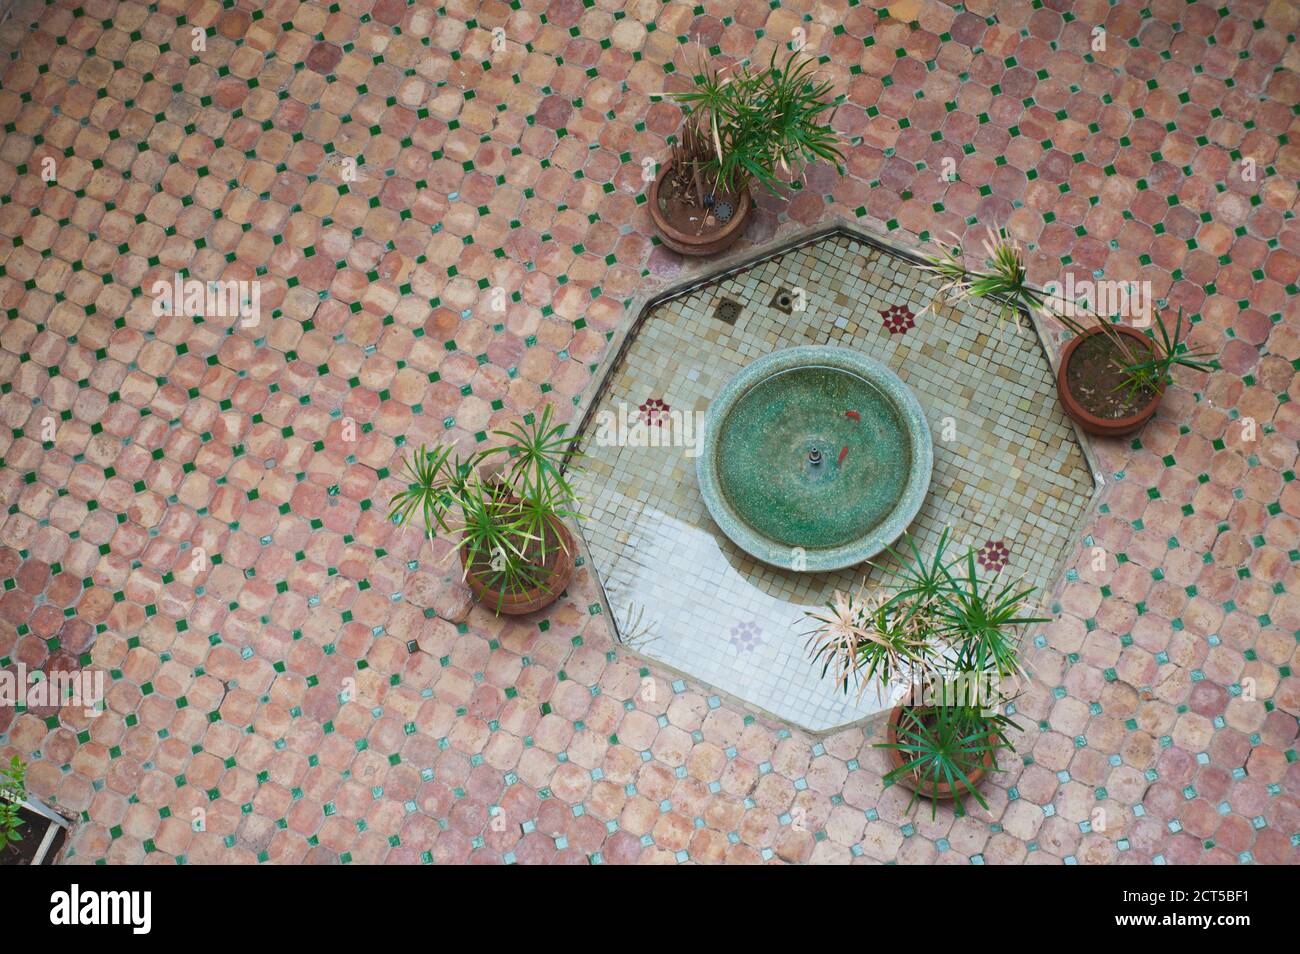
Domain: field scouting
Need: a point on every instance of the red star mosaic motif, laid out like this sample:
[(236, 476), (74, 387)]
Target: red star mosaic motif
[(898, 319), (654, 411), (993, 555)]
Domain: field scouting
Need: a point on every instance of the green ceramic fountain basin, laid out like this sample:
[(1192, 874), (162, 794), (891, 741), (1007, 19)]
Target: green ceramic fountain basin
[(815, 458)]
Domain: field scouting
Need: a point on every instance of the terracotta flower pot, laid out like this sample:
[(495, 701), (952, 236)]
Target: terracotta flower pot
[(1091, 423), (939, 791), (560, 562), (710, 242)]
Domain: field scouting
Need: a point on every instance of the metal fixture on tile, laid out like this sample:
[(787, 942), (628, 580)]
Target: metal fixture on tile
[(783, 301), (727, 310)]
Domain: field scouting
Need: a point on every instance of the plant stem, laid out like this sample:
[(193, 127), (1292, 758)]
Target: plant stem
[(699, 191)]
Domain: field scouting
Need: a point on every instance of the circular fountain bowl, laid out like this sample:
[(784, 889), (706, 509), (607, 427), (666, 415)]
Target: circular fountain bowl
[(814, 458)]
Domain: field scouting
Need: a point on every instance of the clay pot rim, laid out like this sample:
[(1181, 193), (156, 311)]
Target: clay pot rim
[(1092, 423), (938, 791), (745, 204), (543, 596)]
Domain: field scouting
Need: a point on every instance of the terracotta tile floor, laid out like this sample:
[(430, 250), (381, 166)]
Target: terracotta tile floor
[(311, 686)]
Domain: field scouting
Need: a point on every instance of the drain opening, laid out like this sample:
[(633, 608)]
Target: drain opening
[(784, 301), (727, 310)]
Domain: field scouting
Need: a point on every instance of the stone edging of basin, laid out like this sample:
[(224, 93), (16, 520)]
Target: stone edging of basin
[(890, 528)]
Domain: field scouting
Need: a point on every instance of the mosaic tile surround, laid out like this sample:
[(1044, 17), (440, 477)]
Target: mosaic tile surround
[(1008, 466), (1166, 694)]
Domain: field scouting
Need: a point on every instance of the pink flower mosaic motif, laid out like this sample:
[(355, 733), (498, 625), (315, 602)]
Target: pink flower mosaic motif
[(993, 556), (898, 319), (654, 411), (745, 637)]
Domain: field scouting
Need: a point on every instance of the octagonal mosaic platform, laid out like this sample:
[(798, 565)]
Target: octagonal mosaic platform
[(1010, 477)]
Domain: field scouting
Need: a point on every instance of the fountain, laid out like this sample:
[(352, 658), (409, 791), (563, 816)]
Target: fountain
[(815, 458)]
